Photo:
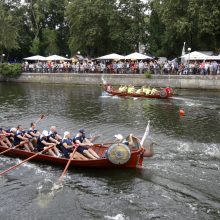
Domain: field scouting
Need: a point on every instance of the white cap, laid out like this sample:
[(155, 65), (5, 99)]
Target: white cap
[(13, 129), (119, 137), (45, 133), (65, 134)]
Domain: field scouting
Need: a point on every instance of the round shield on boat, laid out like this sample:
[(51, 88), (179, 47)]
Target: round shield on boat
[(118, 154), (163, 93)]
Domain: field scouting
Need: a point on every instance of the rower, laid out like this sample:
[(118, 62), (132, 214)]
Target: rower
[(4, 141), (131, 89), (34, 133), (67, 147), (139, 91), (10, 134), (147, 90), (19, 138), (43, 143), (84, 145), (121, 88), (154, 91), (54, 137)]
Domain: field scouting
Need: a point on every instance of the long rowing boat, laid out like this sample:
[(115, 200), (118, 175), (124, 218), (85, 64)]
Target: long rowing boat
[(134, 160), (163, 94)]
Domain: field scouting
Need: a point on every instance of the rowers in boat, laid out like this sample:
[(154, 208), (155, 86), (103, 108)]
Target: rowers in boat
[(84, 145), (67, 147), (4, 141), (123, 89), (34, 133), (43, 143), (20, 138), (127, 152)]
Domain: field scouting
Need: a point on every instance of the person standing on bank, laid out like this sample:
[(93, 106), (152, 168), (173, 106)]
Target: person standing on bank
[(84, 145)]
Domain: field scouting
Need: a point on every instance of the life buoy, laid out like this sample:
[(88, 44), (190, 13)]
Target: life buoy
[(163, 93), (118, 154)]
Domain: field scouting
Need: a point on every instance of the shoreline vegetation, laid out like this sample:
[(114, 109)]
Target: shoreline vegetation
[(158, 28), (10, 70)]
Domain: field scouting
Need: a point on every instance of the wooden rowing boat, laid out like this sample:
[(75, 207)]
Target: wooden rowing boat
[(163, 94), (135, 160)]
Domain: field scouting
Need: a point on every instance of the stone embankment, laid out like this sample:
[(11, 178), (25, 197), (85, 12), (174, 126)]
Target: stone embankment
[(175, 81)]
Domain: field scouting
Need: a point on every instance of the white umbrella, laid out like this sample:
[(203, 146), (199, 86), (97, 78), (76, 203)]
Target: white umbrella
[(56, 58), (137, 56), (195, 55), (214, 57), (113, 56), (37, 57)]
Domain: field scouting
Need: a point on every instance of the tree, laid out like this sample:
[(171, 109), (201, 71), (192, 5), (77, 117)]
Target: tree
[(9, 32), (174, 21), (103, 26)]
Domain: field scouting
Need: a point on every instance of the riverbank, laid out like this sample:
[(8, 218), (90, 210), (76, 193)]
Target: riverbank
[(175, 81)]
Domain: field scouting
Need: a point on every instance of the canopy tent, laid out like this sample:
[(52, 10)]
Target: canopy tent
[(113, 56), (214, 57), (195, 55), (137, 56), (37, 57), (56, 58)]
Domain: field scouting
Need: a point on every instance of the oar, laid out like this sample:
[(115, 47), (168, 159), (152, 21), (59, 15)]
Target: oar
[(9, 149), (67, 165), (26, 160), (41, 117)]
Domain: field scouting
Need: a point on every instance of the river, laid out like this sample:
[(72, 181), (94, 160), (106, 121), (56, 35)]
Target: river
[(182, 180)]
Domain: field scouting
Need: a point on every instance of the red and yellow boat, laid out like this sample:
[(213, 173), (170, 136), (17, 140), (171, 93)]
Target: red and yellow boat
[(162, 94), (124, 153), (133, 160)]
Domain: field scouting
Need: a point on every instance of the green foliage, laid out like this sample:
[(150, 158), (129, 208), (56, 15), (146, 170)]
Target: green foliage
[(98, 27), (10, 70), (9, 31), (148, 75), (35, 47), (174, 21)]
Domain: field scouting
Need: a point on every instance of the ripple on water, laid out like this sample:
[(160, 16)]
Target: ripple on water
[(180, 182)]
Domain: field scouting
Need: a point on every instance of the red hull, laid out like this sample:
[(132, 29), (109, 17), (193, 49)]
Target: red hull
[(134, 162)]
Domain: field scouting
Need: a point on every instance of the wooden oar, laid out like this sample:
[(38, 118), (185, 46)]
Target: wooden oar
[(9, 149), (67, 165), (41, 117), (26, 160)]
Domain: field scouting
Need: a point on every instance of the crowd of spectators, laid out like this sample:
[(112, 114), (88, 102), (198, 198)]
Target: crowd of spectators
[(126, 67)]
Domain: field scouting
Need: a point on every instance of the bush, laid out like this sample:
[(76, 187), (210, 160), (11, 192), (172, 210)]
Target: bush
[(148, 75), (10, 70)]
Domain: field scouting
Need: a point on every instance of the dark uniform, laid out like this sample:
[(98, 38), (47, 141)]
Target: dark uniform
[(66, 152), (17, 140), (53, 135), (32, 131), (80, 149), (40, 145)]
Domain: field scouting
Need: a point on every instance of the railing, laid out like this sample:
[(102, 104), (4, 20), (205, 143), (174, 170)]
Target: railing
[(156, 71)]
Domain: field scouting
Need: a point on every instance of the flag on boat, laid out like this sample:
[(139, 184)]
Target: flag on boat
[(183, 52)]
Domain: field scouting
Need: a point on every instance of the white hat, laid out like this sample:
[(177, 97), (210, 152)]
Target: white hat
[(45, 133), (13, 129), (65, 134), (119, 137)]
